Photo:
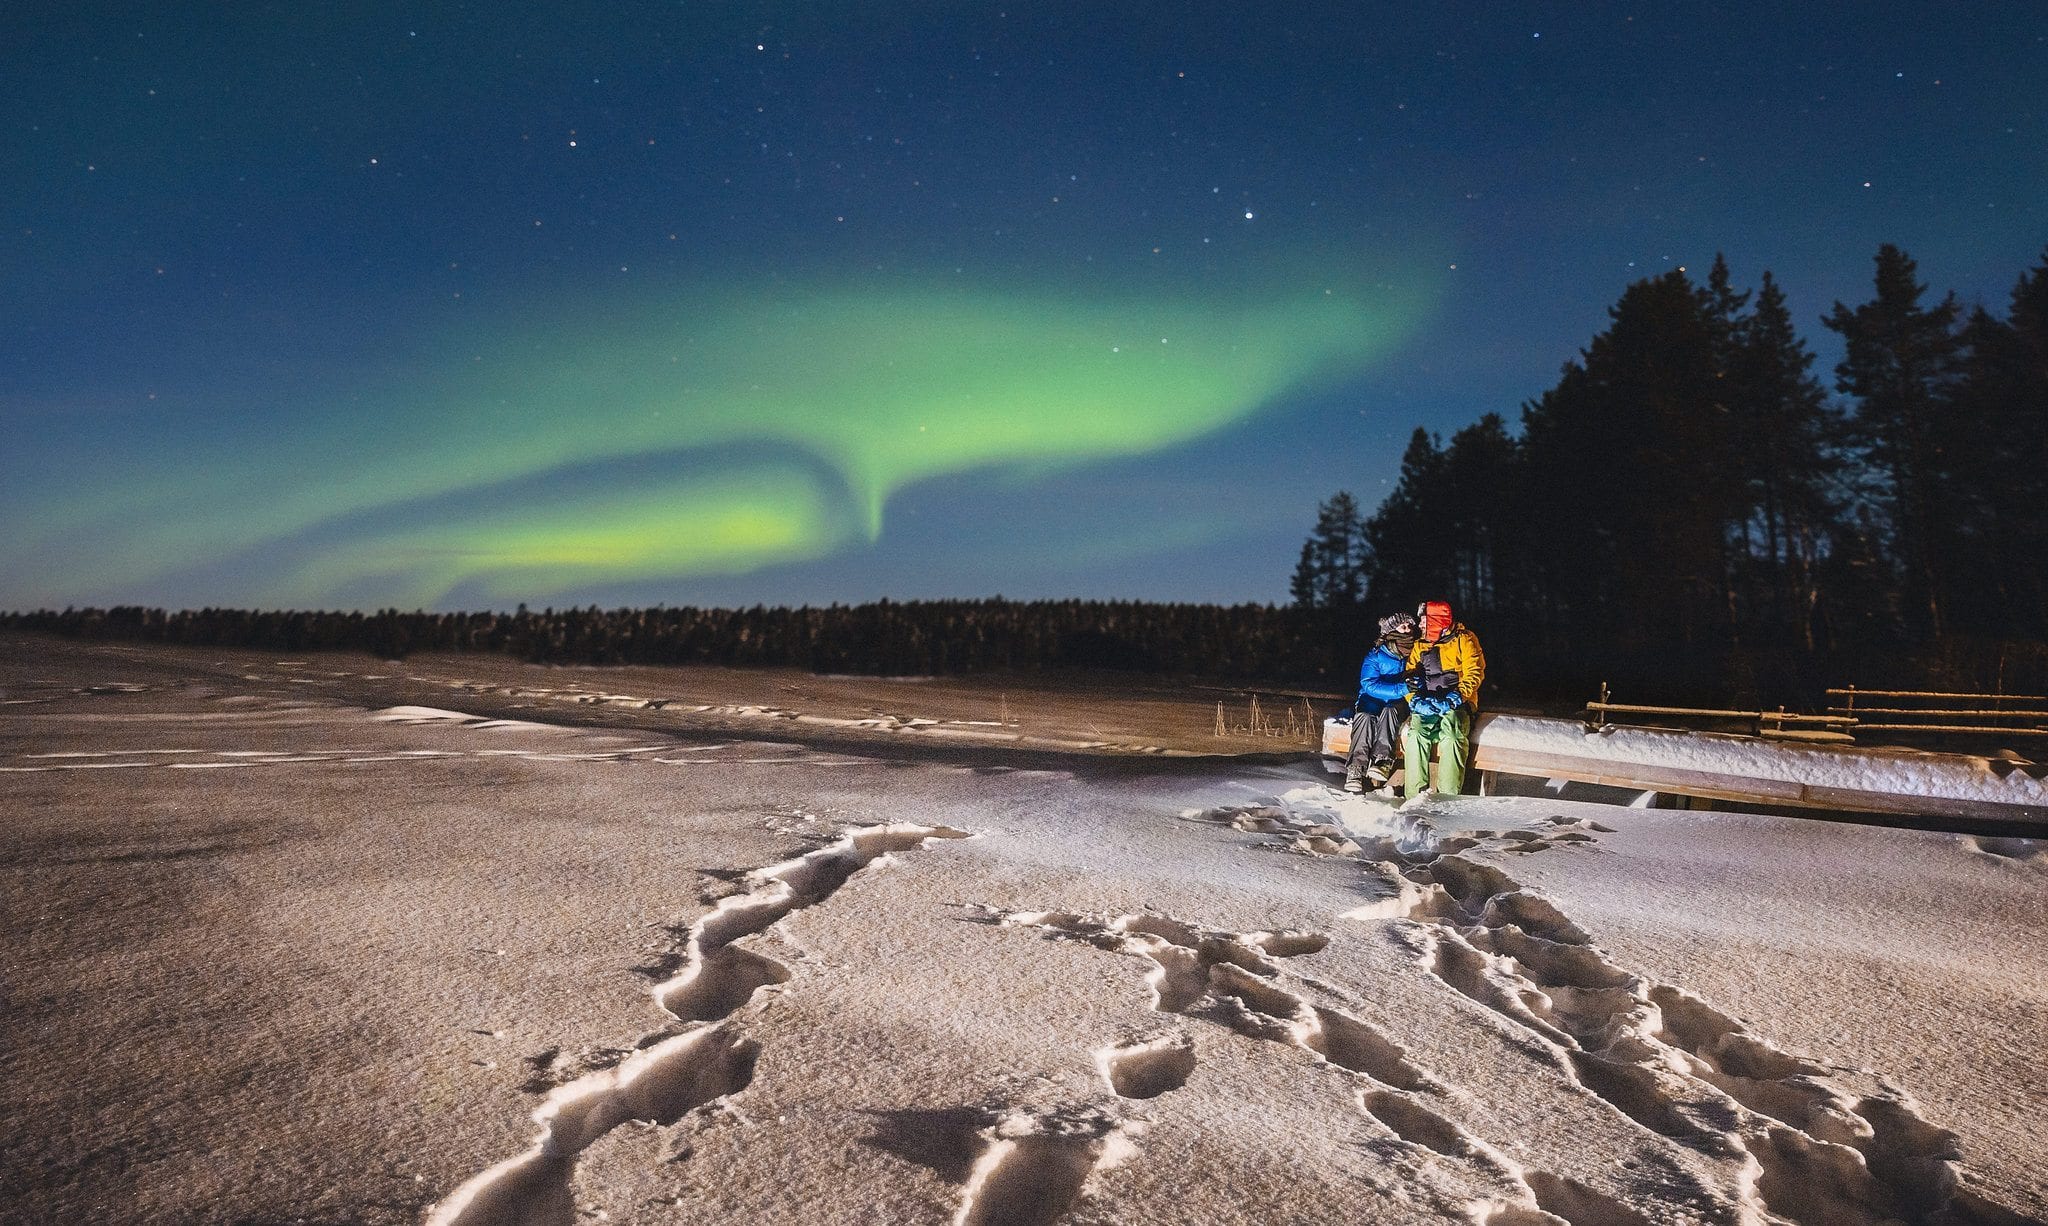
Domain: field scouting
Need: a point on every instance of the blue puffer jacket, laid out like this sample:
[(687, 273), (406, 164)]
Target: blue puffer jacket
[(1379, 679)]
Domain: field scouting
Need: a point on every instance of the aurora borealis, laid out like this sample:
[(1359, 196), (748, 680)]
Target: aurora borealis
[(740, 433), (443, 307)]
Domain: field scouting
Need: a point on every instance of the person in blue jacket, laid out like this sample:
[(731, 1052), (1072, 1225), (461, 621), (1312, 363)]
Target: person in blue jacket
[(1381, 705)]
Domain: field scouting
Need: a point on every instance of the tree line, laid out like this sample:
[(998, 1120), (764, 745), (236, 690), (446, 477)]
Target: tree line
[(1689, 513), (1250, 641)]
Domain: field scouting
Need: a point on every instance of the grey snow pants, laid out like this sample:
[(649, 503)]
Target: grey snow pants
[(1375, 736)]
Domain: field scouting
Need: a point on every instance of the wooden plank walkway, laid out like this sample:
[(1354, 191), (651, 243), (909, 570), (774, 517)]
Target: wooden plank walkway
[(1791, 791)]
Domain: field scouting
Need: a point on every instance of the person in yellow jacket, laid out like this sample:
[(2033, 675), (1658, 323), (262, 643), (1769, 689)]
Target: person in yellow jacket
[(1445, 668)]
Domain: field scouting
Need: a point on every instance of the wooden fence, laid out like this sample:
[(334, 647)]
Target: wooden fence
[(1941, 712), (1780, 724), (1852, 713)]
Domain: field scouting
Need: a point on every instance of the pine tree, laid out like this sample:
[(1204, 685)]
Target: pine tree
[(1902, 366), (2002, 403), (1782, 435), (1406, 537), (1478, 531), (1331, 571), (1722, 308), (1722, 314), (1632, 506), (1303, 586)]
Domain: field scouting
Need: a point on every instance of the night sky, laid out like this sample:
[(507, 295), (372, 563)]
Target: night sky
[(464, 305)]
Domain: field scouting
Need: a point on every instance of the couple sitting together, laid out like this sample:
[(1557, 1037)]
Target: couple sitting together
[(1426, 669)]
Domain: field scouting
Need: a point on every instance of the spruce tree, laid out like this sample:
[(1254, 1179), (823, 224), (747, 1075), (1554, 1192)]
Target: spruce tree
[(1477, 536), (1627, 495), (2003, 404), (1783, 432), (1331, 571), (1722, 307), (1902, 366), (1722, 491), (1406, 537), (1303, 586)]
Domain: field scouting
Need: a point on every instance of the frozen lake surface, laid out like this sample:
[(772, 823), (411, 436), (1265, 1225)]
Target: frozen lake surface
[(332, 939)]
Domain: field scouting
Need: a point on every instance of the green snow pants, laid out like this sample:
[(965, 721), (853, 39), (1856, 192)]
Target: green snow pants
[(1449, 738)]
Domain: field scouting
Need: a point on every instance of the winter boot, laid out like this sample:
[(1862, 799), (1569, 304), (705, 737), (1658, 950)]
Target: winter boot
[(1378, 774), (1354, 779)]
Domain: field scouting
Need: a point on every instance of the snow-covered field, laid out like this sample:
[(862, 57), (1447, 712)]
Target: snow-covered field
[(462, 941)]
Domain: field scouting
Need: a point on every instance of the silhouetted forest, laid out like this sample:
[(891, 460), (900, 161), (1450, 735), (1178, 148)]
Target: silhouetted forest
[(1250, 641), (1689, 514)]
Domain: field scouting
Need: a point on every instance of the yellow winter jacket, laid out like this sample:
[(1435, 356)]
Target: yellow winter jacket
[(1457, 652)]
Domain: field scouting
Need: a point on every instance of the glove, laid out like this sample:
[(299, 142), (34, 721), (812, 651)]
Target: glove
[(1424, 705), (1413, 681), (1450, 702)]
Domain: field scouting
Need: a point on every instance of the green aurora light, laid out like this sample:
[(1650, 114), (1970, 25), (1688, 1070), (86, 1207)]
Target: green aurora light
[(724, 523), (806, 411)]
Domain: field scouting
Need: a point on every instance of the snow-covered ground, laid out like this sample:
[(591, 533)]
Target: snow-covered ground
[(326, 942)]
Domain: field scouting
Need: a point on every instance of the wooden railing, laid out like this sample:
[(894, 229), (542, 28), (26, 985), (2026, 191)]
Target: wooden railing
[(1854, 712), (1941, 712), (1781, 723)]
